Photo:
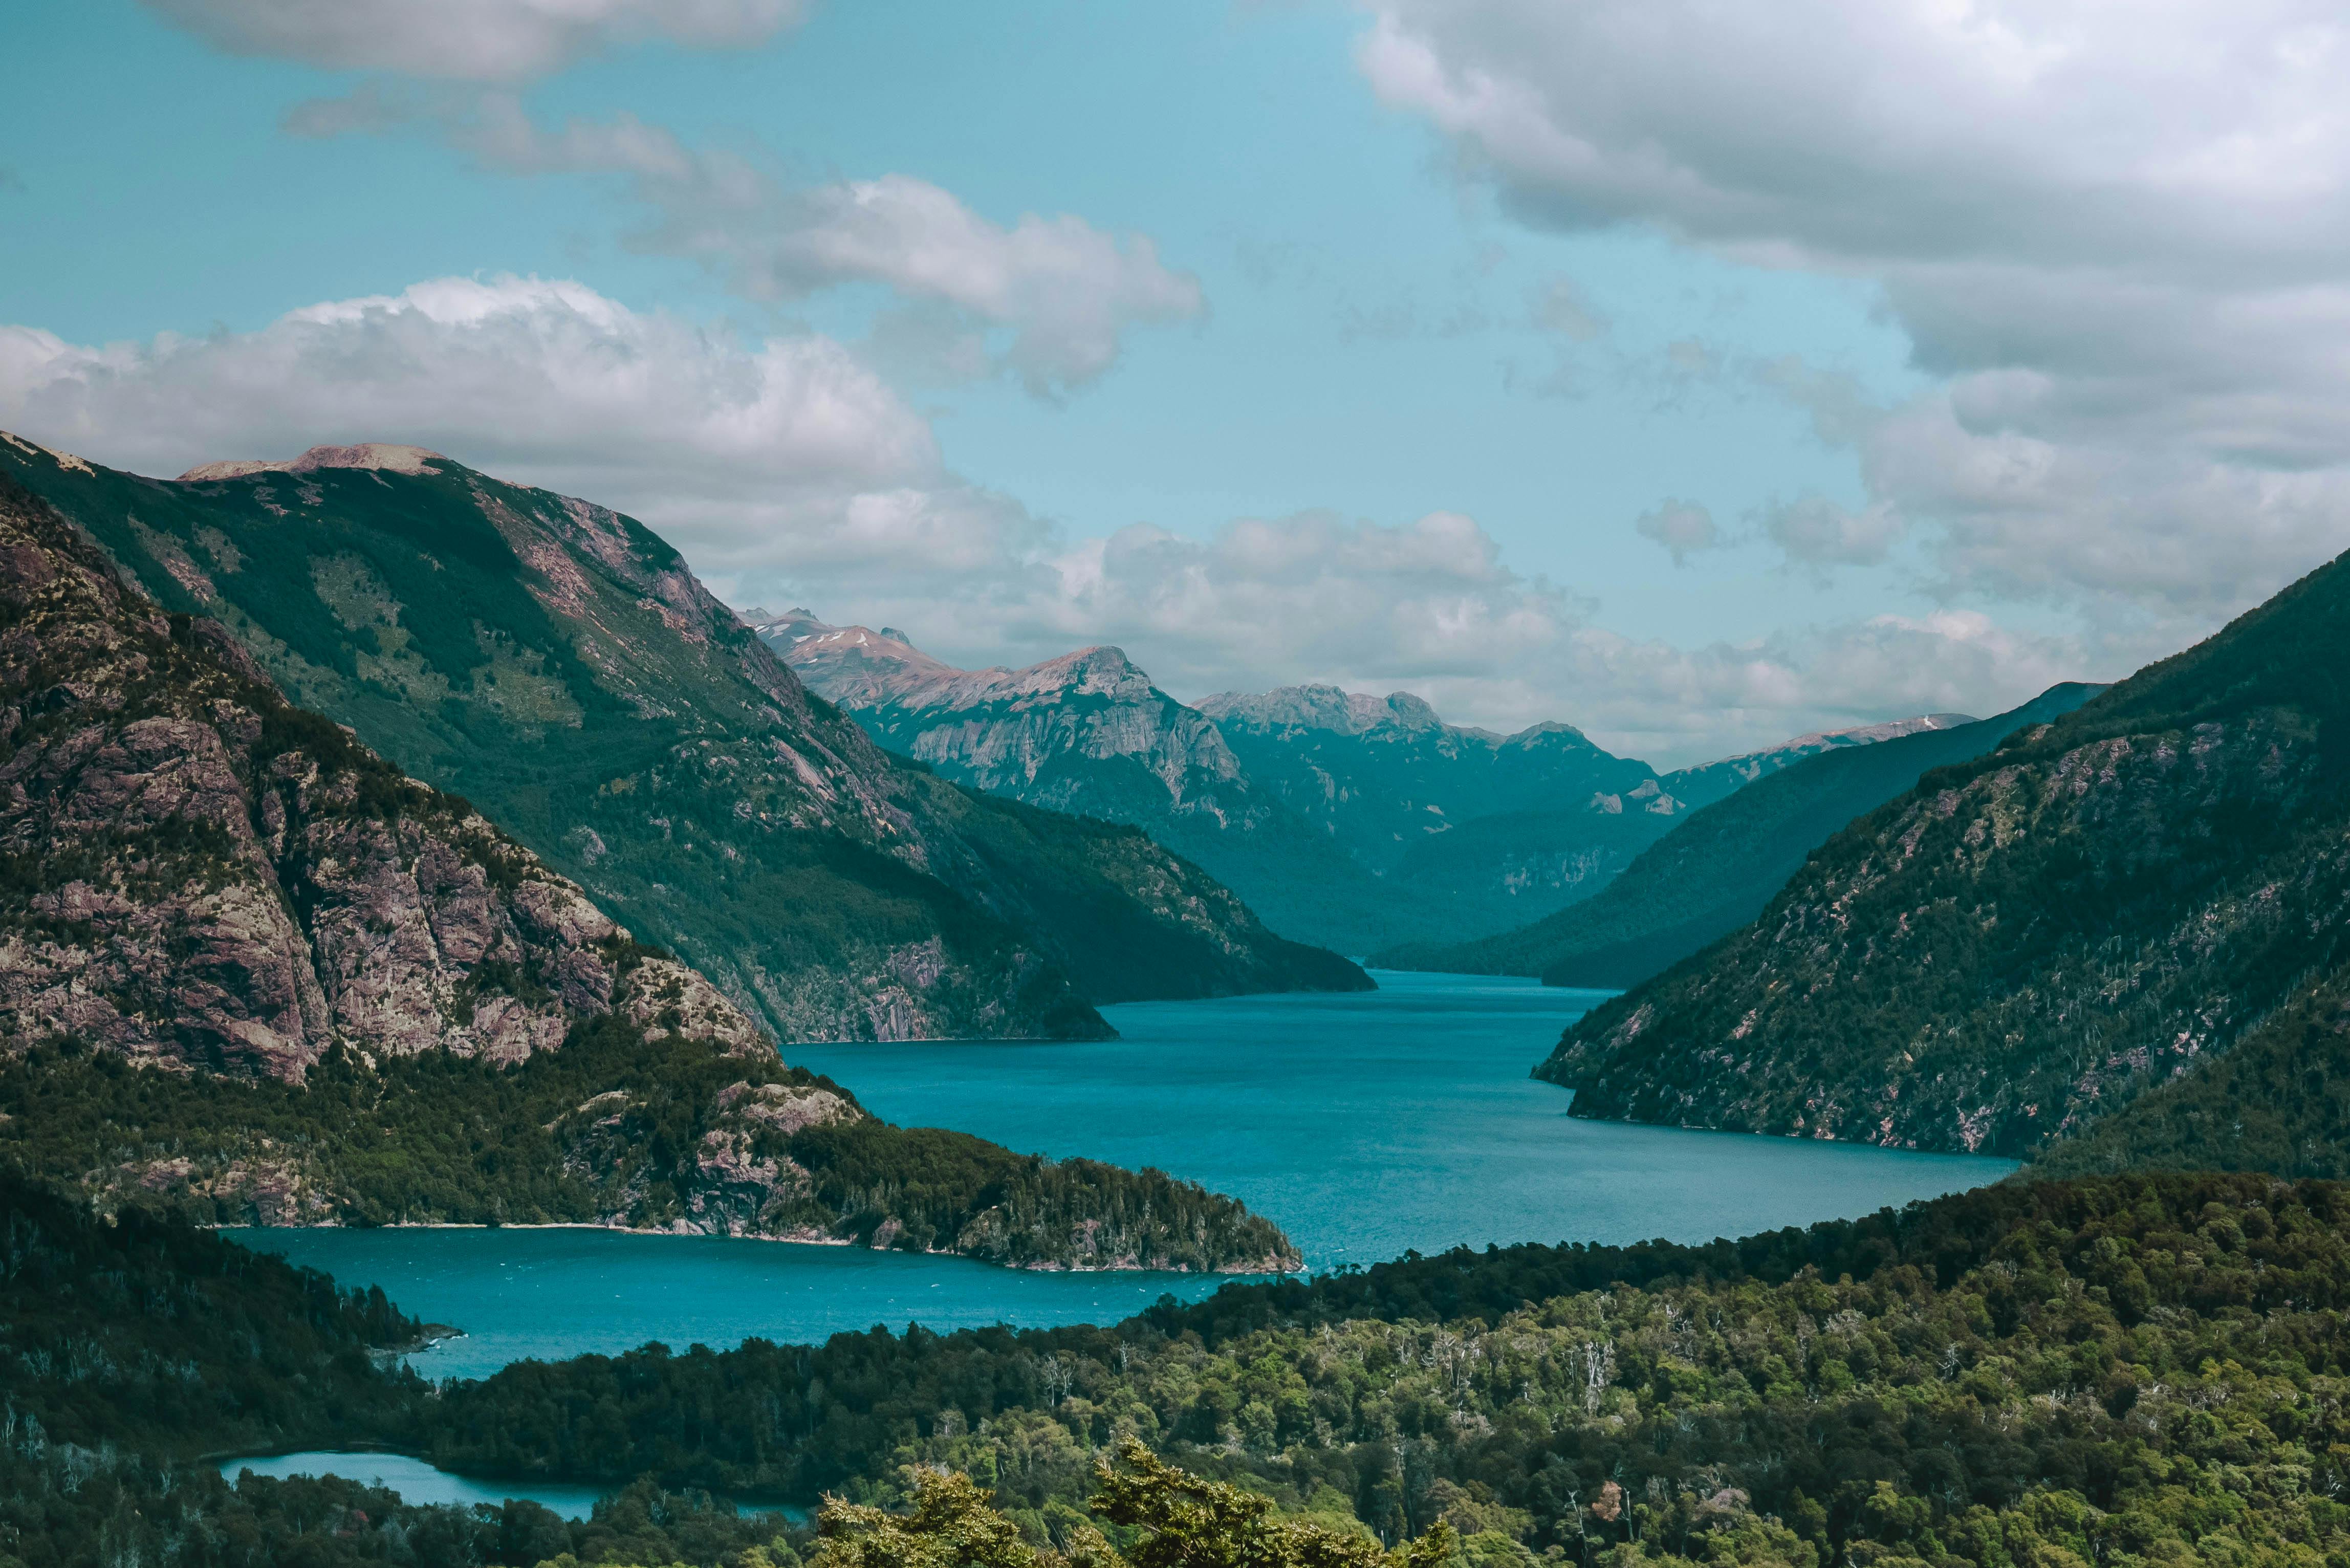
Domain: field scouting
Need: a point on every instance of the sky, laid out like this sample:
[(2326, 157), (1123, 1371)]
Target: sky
[(1695, 374)]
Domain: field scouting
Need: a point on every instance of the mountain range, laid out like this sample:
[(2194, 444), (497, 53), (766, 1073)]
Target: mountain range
[(556, 664), (251, 972), (2118, 937), (1356, 823)]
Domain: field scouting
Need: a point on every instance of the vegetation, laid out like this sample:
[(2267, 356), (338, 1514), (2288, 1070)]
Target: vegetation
[(557, 665), (2125, 1370), (133, 1346), (2021, 945), (1441, 832), (1719, 868), (2137, 1370), (610, 1129)]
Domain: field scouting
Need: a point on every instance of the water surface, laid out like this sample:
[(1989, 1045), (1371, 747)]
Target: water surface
[(418, 1482), (1364, 1125)]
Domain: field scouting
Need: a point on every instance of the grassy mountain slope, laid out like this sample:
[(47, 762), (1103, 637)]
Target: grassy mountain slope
[(250, 970), (2024, 943), (557, 663), (1717, 871)]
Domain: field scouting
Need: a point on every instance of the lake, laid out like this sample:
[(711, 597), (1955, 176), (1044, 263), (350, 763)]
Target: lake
[(1363, 1124)]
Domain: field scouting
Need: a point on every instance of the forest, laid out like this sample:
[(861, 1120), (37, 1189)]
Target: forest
[(441, 1138), (2123, 1369)]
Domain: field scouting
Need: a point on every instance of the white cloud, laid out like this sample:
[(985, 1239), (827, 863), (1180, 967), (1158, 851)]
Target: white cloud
[(512, 375), (1060, 291), (470, 40), (787, 469), (2112, 234), (1683, 527)]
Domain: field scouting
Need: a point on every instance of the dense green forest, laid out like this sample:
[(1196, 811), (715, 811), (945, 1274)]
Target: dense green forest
[(610, 1127), (1718, 869), (131, 1346), (2122, 1370), (2021, 945)]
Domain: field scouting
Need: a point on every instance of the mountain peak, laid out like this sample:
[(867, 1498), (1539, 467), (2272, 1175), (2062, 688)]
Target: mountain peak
[(1315, 706), (388, 456)]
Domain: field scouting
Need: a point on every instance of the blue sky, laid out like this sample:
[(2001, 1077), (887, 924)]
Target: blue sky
[(1396, 322)]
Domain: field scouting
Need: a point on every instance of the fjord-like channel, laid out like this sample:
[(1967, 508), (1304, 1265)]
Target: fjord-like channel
[(1363, 1124)]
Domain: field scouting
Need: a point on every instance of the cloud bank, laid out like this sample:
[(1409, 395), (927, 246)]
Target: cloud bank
[(786, 469), (2113, 233)]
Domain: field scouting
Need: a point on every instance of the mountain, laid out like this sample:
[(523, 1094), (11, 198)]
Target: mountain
[(1351, 822), (1717, 871), (2020, 945), (251, 971), (1709, 781), (558, 664)]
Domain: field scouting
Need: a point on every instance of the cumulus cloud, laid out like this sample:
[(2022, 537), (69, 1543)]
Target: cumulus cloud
[(1683, 527), (550, 379), (470, 40), (1060, 291), (2113, 234)]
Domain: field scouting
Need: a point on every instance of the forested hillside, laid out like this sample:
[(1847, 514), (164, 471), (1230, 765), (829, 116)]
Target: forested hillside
[(2020, 945), (2131, 1370), (558, 665), (250, 970), (1716, 870)]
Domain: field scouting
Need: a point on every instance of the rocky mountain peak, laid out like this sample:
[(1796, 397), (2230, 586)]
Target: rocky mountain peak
[(390, 457)]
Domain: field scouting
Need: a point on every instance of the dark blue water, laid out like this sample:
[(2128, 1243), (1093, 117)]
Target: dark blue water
[(1363, 1124)]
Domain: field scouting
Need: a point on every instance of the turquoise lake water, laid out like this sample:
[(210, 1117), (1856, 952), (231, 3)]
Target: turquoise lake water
[(1363, 1124)]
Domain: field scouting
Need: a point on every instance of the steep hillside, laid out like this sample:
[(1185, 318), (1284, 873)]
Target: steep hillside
[(1479, 840), (1716, 872), (1709, 781), (1470, 832), (250, 970), (558, 664), (2020, 945)]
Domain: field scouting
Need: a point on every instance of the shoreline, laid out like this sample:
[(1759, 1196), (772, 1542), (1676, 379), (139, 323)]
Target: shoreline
[(799, 1241)]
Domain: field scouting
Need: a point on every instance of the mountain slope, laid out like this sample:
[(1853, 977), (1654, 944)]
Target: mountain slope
[(1432, 828), (1709, 781), (2020, 945), (1468, 832), (557, 663), (1717, 871), (250, 970)]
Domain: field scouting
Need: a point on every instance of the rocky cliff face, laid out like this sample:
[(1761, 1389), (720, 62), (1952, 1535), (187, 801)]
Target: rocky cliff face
[(1087, 733), (2019, 945), (354, 998), (558, 664), (207, 878)]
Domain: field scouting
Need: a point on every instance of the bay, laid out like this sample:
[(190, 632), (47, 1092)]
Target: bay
[(1364, 1125)]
